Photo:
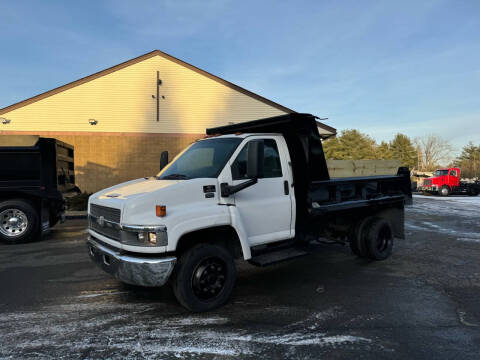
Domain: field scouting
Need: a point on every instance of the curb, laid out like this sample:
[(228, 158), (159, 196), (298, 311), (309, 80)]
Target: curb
[(76, 215)]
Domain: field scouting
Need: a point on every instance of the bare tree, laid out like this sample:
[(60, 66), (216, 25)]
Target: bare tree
[(432, 151)]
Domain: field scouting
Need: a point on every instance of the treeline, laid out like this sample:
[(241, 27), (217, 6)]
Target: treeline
[(354, 145), (425, 153), (469, 161)]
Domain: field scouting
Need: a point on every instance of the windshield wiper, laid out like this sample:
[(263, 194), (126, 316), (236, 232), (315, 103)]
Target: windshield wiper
[(173, 177)]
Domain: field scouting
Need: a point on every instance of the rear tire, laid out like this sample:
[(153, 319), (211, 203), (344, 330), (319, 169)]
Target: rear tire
[(204, 277), (18, 222), (356, 238), (444, 191), (379, 239)]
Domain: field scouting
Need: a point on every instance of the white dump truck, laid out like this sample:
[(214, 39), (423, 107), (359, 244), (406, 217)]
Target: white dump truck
[(258, 191)]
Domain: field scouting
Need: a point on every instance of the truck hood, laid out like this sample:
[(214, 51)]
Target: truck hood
[(436, 180), (137, 198), (136, 188)]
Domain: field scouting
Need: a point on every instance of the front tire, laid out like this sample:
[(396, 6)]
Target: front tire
[(204, 277), (444, 191), (18, 222)]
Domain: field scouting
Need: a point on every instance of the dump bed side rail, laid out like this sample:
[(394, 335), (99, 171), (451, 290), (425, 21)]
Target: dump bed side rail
[(349, 193)]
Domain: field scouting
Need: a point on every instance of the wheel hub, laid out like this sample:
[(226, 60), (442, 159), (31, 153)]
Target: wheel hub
[(13, 222), (209, 278)]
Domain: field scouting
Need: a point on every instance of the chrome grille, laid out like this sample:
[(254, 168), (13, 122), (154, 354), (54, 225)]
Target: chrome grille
[(108, 213), (109, 230), (427, 182), (109, 225)]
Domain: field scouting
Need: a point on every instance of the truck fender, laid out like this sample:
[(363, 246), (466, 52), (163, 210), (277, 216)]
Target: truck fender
[(237, 224), (203, 223)]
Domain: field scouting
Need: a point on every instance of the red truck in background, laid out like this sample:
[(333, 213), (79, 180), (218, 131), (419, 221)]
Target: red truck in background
[(446, 182)]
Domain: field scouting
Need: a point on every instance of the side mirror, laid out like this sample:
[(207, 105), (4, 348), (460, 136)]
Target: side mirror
[(255, 159), (254, 169), (163, 159)]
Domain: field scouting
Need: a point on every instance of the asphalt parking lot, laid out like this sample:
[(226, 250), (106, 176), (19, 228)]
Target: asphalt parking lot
[(424, 302)]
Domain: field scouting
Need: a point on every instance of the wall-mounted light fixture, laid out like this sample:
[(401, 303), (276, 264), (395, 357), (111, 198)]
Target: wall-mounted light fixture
[(92, 121), (5, 121)]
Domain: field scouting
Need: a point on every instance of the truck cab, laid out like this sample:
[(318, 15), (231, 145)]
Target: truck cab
[(442, 181), (188, 192), (257, 191), (445, 182)]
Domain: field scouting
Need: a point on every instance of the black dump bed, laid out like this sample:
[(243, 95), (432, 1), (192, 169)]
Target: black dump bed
[(36, 165), (315, 192)]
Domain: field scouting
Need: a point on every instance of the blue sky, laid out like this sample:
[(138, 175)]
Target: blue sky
[(380, 66)]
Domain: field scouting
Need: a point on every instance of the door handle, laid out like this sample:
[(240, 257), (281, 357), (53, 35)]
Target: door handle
[(286, 190)]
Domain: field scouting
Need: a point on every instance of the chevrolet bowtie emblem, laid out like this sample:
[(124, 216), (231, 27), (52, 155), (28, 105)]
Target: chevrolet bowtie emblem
[(101, 221)]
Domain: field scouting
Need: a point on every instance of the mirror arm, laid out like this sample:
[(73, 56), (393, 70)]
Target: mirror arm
[(227, 190)]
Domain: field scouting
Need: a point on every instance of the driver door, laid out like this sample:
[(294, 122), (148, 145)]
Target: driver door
[(266, 207)]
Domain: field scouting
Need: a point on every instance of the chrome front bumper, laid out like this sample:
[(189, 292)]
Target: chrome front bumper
[(143, 271)]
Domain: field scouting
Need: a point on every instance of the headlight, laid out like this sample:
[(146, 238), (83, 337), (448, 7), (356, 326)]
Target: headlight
[(144, 235), (148, 237), (152, 237)]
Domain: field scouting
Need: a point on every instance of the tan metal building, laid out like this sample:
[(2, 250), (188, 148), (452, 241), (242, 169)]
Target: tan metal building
[(120, 119)]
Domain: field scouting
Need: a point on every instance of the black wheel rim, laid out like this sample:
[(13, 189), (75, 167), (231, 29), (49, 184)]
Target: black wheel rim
[(383, 238), (208, 279)]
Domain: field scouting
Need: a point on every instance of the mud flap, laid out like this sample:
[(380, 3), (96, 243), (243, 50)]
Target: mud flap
[(44, 219), (396, 218)]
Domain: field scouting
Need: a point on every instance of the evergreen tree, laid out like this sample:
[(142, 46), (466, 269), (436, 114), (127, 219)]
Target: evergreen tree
[(384, 152), (353, 145), (350, 145), (469, 161), (402, 149), (330, 148)]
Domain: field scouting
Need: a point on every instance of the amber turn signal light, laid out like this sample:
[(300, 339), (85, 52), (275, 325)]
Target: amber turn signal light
[(161, 210)]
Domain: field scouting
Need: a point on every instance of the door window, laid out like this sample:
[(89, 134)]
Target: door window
[(453, 173), (271, 162)]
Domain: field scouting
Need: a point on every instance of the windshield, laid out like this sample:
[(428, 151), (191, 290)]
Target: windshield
[(441, 172), (203, 159)]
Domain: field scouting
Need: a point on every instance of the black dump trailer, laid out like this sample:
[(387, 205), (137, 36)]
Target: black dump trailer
[(367, 212), (35, 174)]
